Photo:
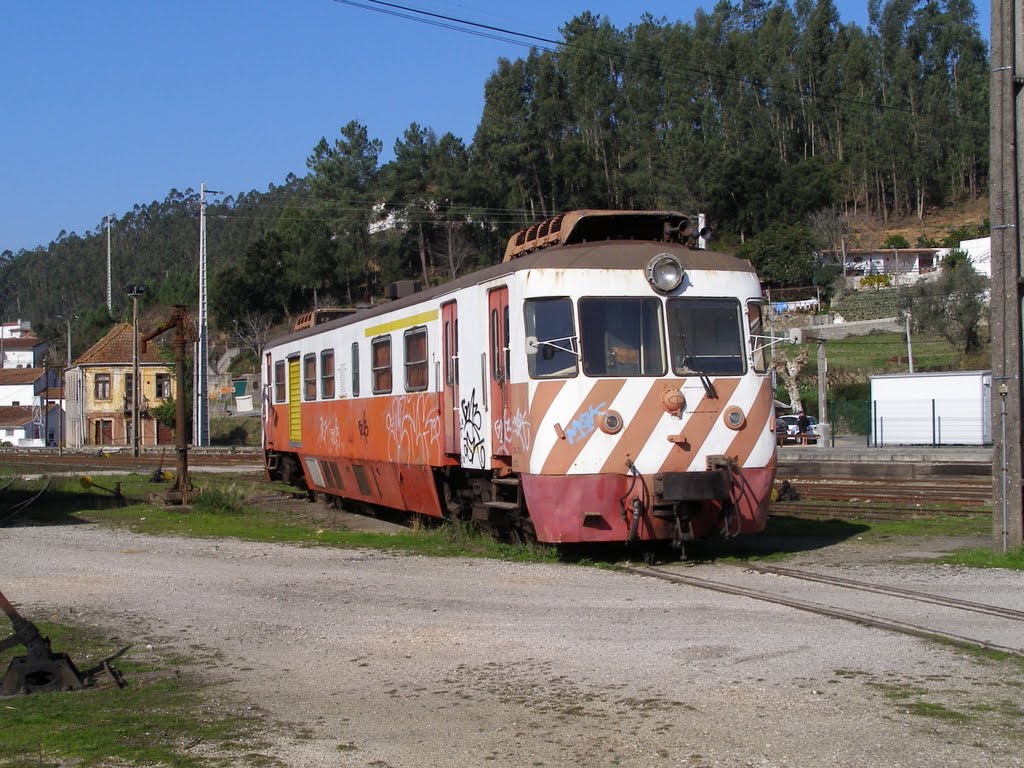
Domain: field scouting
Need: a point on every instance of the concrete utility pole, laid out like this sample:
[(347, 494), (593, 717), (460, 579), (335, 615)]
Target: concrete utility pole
[(1007, 134), (201, 402), (135, 291), (63, 394), (824, 430)]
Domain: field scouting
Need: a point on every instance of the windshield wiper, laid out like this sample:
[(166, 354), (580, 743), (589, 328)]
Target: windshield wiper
[(709, 388)]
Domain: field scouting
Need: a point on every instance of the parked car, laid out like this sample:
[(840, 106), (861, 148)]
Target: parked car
[(787, 430)]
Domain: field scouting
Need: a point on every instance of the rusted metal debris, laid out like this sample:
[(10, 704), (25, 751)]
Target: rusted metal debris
[(41, 669)]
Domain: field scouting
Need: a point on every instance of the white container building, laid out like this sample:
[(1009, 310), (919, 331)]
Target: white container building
[(943, 408)]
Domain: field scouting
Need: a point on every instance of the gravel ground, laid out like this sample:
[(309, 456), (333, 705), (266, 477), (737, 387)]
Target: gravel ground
[(359, 658)]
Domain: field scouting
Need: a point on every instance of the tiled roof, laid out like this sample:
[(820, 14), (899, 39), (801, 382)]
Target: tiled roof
[(116, 349), (15, 415), (52, 394), (9, 376), (22, 342)]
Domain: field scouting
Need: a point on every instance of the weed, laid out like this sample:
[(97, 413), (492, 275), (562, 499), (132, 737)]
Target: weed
[(221, 501), (169, 714), (986, 558)]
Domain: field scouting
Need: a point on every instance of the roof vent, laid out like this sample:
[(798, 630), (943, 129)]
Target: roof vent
[(402, 288)]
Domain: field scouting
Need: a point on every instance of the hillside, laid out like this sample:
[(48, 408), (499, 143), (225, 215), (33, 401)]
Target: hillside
[(867, 231)]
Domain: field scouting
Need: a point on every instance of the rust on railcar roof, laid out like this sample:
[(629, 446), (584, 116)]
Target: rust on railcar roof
[(590, 225)]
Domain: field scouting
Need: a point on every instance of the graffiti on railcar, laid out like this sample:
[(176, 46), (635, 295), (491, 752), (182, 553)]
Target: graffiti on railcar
[(414, 429), (330, 431), (513, 433), (584, 424), (472, 430)]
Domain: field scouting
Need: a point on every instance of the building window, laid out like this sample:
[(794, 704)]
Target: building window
[(129, 389), (381, 364), (101, 387), (327, 374), (163, 385), (279, 381), (416, 360), (309, 377)]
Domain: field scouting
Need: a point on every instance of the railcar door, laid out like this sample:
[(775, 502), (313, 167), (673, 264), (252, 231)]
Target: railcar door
[(474, 422), (268, 405), (498, 337), (450, 389), (294, 402)]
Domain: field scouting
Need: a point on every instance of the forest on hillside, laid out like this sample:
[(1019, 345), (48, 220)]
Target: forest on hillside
[(760, 114)]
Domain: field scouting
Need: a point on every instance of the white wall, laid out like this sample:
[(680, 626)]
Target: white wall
[(947, 408)]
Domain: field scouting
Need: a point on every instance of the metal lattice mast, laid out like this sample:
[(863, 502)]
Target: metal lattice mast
[(200, 406), (109, 304)]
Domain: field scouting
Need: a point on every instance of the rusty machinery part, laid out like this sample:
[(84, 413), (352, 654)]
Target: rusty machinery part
[(184, 334), (40, 669), (87, 482)]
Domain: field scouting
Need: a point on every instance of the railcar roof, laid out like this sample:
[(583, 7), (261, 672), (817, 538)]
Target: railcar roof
[(626, 255)]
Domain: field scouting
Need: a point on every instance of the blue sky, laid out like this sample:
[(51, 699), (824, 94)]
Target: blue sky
[(111, 103)]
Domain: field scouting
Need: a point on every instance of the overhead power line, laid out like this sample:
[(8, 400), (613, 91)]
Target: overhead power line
[(527, 40)]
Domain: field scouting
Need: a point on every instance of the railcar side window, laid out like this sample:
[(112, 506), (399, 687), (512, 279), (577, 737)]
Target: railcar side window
[(758, 342), (327, 374), (380, 362), (355, 369), (550, 323), (279, 381), (416, 360), (706, 336), (622, 337), (309, 377), (451, 351)]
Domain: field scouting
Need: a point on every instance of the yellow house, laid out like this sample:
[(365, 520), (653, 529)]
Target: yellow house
[(98, 388)]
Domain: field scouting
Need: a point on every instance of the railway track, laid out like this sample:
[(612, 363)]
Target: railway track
[(10, 511), (836, 511), (959, 491), (962, 623)]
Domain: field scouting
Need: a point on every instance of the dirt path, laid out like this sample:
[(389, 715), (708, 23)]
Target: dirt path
[(360, 658)]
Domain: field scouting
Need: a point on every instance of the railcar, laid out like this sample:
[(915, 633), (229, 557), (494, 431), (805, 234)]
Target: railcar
[(606, 382)]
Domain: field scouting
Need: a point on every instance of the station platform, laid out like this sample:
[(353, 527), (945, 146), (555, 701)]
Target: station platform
[(858, 458)]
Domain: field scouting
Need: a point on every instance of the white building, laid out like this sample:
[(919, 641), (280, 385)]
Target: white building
[(980, 253), (19, 347), (33, 389), (941, 408), (908, 265)]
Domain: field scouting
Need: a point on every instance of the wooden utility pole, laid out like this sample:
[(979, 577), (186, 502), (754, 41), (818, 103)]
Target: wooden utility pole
[(1006, 251)]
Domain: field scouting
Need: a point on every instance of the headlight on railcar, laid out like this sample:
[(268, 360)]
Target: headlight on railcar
[(734, 417), (665, 273), (611, 422)]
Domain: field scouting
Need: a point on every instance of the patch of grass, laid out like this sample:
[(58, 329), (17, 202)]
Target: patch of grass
[(879, 352), (160, 718), (938, 711), (786, 536), (986, 558), (909, 699), (873, 530), (222, 510)]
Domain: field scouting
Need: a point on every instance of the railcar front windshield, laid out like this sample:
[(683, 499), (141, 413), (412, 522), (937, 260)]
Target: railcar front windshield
[(622, 337), (706, 336)]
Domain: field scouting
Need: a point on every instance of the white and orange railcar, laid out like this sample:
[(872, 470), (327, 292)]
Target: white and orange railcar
[(606, 382)]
